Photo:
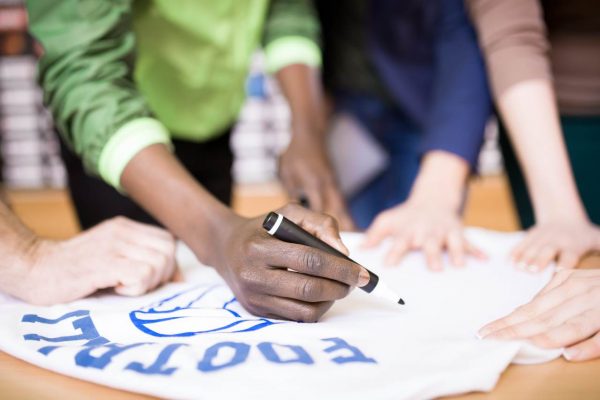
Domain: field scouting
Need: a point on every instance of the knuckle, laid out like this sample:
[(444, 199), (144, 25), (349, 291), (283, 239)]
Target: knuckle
[(312, 262), (528, 311), (170, 241), (119, 221), (144, 271), (341, 292), (310, 290), (313, 182), (348, 273), (329, 221), (545, 340), (576, 329), (595, 344), (381, 219), (513, 331), (249, 279), (252, 248), (252, 305), (172, 248), (162, 260), (289, 208), (109, 246), (310, 313)]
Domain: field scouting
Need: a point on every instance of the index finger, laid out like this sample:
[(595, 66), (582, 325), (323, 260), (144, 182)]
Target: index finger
[(322, 226), (310, 261), (540, 304)]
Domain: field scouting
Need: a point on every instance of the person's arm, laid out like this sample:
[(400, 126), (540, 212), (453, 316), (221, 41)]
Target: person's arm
[(86, 73), (513, 37), (128, 256), (254, 264), (291, 39), (460, 108)]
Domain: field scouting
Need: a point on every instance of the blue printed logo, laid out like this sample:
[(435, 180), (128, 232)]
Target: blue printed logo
[(203, 308)]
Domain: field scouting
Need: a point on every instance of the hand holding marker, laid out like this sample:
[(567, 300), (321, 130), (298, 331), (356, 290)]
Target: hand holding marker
[(283, 229)]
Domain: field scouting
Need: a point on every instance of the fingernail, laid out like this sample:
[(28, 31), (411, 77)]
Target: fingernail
[(482, 332), (570, 354), (533, 268), (521, 265), (559, 268), (364, 277)]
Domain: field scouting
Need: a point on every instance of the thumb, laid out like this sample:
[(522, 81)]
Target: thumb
[(330, 234), (322, 226), (336, 242)]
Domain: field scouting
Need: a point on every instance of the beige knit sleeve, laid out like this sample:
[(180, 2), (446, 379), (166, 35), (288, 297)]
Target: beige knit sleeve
[(512, 35)]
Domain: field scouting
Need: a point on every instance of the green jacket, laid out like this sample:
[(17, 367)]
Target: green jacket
[(120, 75)]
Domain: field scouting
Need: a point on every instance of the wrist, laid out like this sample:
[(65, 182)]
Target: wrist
[(561, 207), (207, 239), (440, 171), (307, 134), (450, 200), (19, 279)]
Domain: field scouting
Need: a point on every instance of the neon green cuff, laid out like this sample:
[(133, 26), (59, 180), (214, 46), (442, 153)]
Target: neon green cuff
[(130, 139), (290, 50)]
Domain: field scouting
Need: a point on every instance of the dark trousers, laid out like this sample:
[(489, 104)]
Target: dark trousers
[(582, 138), (400, 138), (95, 201)]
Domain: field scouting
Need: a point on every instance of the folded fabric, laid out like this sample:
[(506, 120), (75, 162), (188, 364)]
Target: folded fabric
[(193, 340)]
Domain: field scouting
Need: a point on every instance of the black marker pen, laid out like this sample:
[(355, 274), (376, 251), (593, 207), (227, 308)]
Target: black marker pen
[(283, 229)]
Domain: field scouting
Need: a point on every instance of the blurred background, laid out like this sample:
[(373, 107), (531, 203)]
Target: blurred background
[(32, 172)]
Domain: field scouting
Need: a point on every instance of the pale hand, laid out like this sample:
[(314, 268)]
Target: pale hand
[(566, 313), (129, 256), (420, 226), (566, 241)]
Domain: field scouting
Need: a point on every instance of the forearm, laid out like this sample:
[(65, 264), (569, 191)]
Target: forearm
[(86, 72), (159, 183), (301, 87), (530, 114), (16, 241), (441, 180)]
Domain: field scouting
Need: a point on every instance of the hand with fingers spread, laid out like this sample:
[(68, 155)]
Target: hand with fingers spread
[(428, 221), (566, 313), (129, 256), (282, 280), (426, 227), (565, 241)]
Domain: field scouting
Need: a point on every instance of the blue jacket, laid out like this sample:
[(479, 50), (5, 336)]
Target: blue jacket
[(427, 56)]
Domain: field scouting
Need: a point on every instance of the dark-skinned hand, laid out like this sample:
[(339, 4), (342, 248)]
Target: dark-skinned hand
[(276, 279)]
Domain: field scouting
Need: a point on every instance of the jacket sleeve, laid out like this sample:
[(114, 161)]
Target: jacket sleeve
[(513, 37), (291, 34), (461, 103), (86, 72)]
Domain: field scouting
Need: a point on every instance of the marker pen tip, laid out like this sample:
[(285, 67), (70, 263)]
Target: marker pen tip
[(401, 302)]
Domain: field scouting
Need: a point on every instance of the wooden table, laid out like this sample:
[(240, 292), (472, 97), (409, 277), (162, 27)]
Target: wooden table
[(49, 213)]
